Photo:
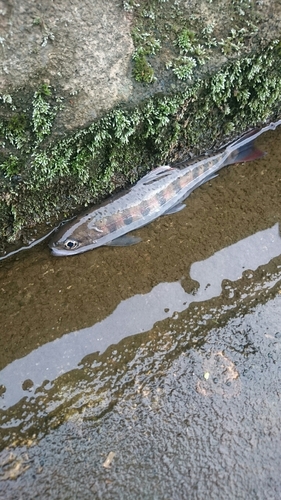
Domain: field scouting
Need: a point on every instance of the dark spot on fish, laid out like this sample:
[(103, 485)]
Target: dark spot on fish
[(128, 218), (177, 185), (111, 224), (144, 208), (161, 198)]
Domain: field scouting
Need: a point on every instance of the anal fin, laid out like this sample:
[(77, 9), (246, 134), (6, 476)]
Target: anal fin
[(175, 209), (124, 241)]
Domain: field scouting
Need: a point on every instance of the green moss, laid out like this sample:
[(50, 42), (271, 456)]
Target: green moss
[(43, 113), (11, 166), (146, 45), (186, 40), (183, 67), (44, 90), (39, 182), (143, 72), (15, 130), (25, 130)]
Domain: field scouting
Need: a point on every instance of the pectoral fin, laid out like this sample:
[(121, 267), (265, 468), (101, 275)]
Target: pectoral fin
[(124, 241)]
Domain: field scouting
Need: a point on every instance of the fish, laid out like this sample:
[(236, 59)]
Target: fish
[(160, 192)]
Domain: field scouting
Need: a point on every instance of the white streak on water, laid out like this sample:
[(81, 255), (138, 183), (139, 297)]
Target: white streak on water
[(137, 314)]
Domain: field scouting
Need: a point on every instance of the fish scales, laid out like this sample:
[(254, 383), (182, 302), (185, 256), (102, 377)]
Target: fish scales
[(154, 202), (125, 218), (106, 221), (172, 189), (160, 191)]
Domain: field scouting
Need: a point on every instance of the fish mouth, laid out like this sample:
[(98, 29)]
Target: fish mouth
[(63, 252), (57, 252)]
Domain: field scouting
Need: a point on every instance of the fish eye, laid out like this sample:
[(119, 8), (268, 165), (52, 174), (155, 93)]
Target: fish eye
[(71, 244)]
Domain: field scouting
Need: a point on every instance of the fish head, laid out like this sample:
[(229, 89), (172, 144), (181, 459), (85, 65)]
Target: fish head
[(80, 235)]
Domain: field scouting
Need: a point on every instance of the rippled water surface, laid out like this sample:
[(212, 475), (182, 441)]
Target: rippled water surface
[(153, 371)]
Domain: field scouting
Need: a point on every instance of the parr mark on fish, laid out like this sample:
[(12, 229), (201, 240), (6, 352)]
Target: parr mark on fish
[(161, 191)]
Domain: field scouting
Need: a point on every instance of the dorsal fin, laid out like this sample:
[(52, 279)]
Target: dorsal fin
[(156, 174)]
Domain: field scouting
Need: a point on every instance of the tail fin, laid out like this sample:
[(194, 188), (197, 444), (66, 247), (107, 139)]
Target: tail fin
[(244, 149)]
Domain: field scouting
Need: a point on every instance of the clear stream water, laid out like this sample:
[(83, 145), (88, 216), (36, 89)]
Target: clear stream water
[(153, 371)]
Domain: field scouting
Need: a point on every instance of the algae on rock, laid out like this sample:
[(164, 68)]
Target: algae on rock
[(47, 171)]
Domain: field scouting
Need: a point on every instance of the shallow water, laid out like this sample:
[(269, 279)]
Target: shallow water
[(166, 354)]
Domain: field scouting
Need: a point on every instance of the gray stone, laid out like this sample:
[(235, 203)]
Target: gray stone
[(82, 48)]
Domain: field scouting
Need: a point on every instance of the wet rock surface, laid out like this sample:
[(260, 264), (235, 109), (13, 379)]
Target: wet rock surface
[(82, 49)]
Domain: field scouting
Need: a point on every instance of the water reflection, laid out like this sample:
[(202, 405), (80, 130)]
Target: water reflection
[(230, 262), (135, 315)]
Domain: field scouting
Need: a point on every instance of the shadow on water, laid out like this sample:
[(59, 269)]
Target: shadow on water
[(166, 354)]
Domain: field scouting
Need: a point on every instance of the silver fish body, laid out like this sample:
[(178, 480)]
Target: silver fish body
[(160, 191)]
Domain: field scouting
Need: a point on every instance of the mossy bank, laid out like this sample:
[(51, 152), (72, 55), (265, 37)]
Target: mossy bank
[(192, 90)]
